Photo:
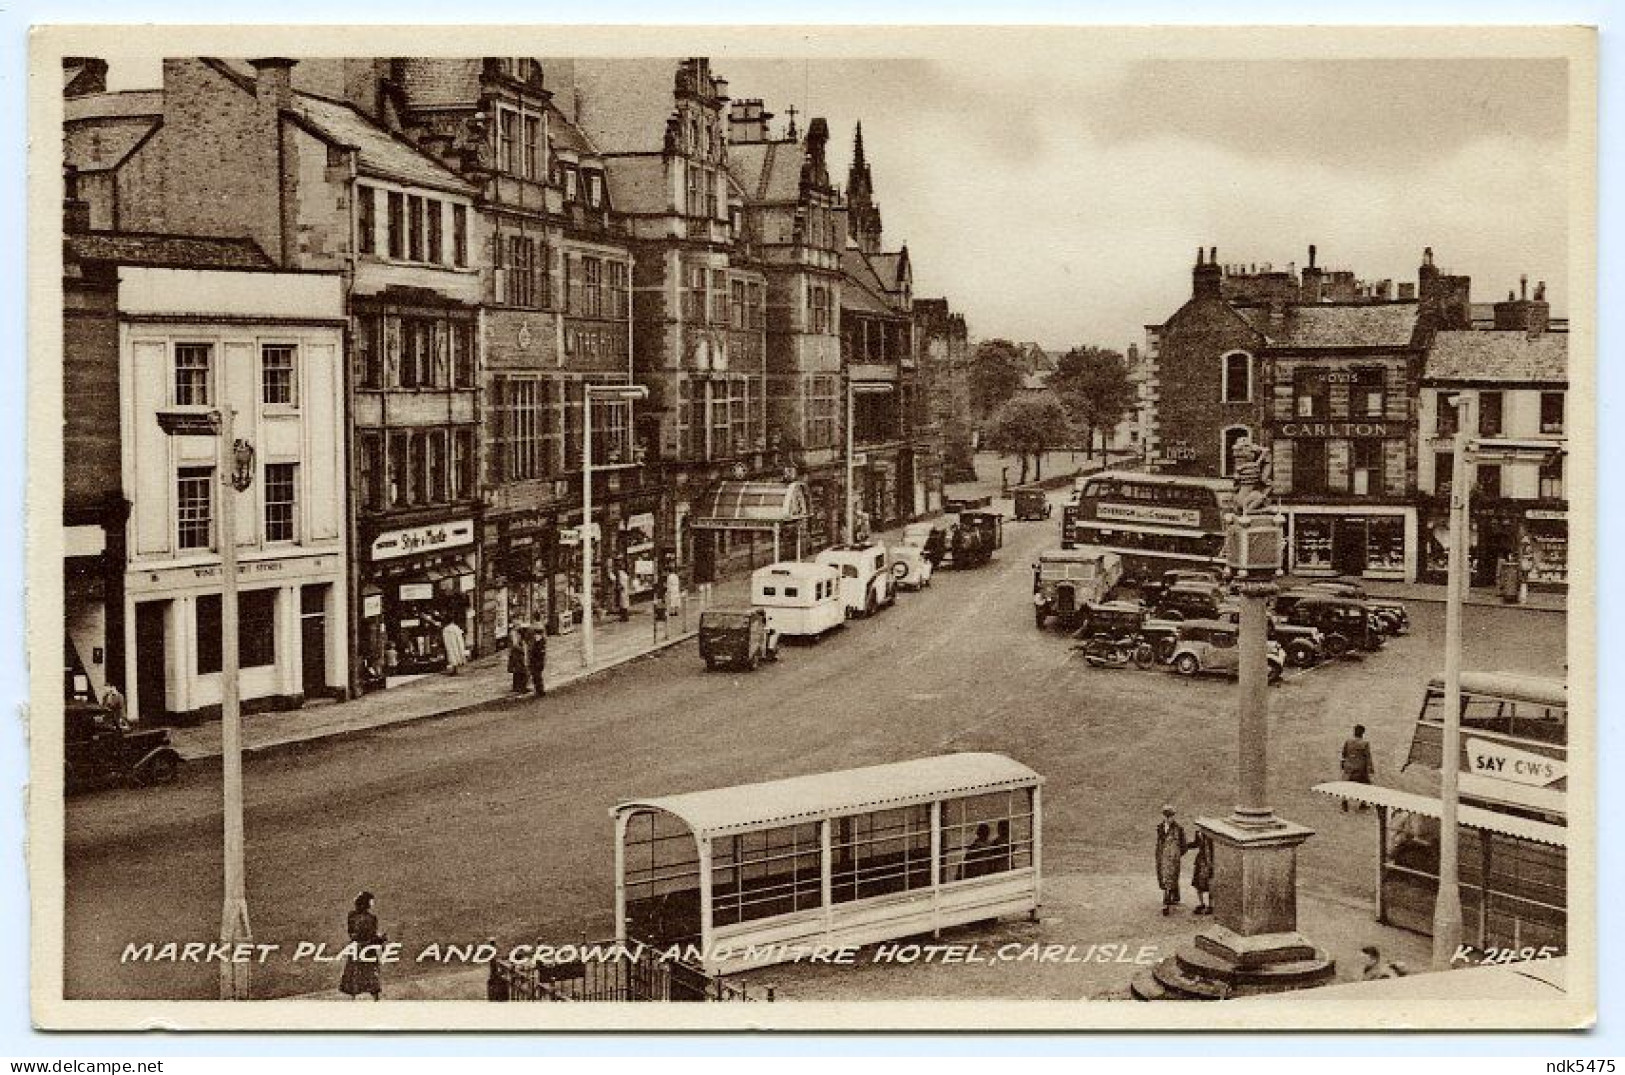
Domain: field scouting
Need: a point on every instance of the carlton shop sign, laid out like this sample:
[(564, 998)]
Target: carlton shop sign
[(393, 544), (1140, 513), (1500, 762), (1334, 429)]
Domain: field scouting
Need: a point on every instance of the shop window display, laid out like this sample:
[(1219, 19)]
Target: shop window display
[(1385, 544), (1312, 542)]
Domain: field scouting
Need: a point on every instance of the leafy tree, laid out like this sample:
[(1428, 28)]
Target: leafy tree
[(1028, 425), (1093, 385), (996, 373)]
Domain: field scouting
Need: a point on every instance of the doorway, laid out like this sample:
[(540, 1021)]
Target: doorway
[(1348, 550), (151, 661), (313, 641)]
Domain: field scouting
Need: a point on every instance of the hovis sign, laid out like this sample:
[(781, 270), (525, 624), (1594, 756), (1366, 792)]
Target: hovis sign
[(1500, 762), (397, 543)]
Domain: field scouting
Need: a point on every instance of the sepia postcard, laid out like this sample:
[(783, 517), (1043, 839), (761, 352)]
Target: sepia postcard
[(974, 528)]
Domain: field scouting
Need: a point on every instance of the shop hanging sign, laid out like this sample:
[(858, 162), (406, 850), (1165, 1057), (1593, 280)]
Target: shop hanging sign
[(571, 535), (1500, 762), (417, 591), (1139, 513), (1303, 430), (1546, 515), (393, 544)]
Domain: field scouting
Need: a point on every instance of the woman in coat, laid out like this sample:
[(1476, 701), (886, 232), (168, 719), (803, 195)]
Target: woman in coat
[(519, 660), (360, 973), (1202, 873), (451, 636)]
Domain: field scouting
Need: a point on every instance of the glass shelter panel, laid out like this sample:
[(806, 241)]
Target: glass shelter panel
[(662, 880), (879, 853), (765, 873), (986, 834)]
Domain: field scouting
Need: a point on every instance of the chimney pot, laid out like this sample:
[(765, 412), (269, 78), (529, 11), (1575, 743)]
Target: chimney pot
[(1311, 255)]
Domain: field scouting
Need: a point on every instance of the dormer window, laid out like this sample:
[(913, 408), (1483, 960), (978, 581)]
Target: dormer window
[(571, 189), (595, 188)]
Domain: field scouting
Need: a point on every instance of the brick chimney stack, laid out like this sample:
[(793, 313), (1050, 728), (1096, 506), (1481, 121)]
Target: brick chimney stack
[(273, 82), (1207, 278)]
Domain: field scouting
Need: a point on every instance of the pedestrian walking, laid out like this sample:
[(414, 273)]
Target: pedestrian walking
[(1356, 761), (1202, 873), (519, 660), (623, 594), (361, 969), (451, 636), (674, 596), (1171, 848), (661, 626), (536, 658)]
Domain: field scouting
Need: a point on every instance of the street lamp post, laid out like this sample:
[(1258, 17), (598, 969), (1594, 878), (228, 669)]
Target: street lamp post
[(235, 458), (1447, 904), (590, 392), (853, 390)]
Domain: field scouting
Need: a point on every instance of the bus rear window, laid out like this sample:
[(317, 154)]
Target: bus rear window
[(791, 591), (770, 591)]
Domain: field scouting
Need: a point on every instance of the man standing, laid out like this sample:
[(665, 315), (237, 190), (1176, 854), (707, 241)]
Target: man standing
[(1171, 848), (1356, 761), (623, 594), (519, 660), (674, 594), (536, 658)]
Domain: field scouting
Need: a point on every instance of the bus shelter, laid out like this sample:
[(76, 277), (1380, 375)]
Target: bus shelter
[(778, 508), (745, 876)]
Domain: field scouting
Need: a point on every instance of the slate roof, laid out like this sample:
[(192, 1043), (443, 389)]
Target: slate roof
[(566, 136), (164, 251), (1329, 325), (381, 153), (638, 184), (1511, 357), (861, 289), (769, 171), (127, 104), (888, 265)]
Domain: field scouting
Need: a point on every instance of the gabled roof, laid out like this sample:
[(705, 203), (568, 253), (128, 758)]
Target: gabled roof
[(1511, 357), (164, 251), (769, 171), (126, 104), (566, 136), (889, 266), (861, 289), (638, 184), (382, 154), (1328, 325)]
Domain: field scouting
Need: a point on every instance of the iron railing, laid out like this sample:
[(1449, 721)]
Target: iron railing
[(614, 973)]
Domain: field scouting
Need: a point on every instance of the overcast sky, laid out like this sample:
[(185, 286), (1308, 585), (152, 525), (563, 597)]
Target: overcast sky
[(1064, 202)]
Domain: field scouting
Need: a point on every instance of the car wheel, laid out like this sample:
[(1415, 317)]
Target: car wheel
[(1186, 664), (1145, 655), (1172, 614), (1302, 654), (1336, 645)]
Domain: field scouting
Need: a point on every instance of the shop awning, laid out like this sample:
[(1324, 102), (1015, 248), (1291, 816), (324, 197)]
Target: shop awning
[(1474, 817), (744, 505)]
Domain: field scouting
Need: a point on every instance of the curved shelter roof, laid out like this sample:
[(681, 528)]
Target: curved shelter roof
[(752, 505), (722, 811)]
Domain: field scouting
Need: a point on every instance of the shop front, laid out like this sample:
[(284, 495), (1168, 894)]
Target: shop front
[(1501, 531), (415, 581), (1544, 548), (756, 523), (292, 626), (1325, 541), (517, 588)]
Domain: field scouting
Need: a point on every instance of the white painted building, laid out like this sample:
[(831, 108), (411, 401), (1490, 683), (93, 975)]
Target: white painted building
[(270, 346)]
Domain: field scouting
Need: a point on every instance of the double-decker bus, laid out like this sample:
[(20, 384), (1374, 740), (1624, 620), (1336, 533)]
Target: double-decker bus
[(1155, 522)]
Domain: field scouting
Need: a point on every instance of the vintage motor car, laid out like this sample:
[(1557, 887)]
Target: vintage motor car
[(1391, 614), (1031, 503), (97, 751), (1344, 622), (973, 536), (1154, 588), (929, 538), (737, 638), (1304, 646), (867, 584), (1190, 600), (910, 566), (1067, 581), (1211, 646)]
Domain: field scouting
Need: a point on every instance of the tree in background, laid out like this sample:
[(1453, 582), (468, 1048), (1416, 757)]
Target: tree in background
[(1028, 425), (1093, 385), (996, 373)]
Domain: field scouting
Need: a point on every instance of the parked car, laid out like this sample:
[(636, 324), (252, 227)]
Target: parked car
[(97, 751), (1391, 614), (1211, 646), (1152, 589), (1345, 622), (929, 538), (867, 584), (1067, 581), (1190, 600), (798, 598), (910, 566), (1304, 646), (737, 637), (1031, 503)]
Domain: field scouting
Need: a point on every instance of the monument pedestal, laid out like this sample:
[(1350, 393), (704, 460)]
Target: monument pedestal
[(1253, 945)]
